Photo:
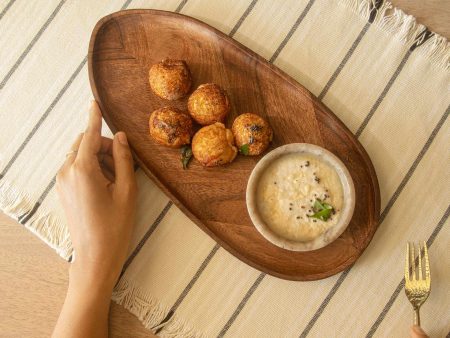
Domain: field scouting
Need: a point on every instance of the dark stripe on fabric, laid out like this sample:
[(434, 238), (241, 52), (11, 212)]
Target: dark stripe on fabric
[(180, 6), (39, 201), (146, 237), (242, 18), (416, 162), (373, 13), (189, 286), (126, 4), (22, 216), (43, 117), (196, 276), (292, 31), (383, 94), (31, 44), (30, 213), (70, 259), (324, 303), (344, 61), (420, 39), (374, 9), (163, 322), (383, 215), (400, 285), (7, 7), (241, 305)]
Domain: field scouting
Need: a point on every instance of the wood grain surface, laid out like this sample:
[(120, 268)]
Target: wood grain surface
[(124, 46), (434, 14), (35, 284)]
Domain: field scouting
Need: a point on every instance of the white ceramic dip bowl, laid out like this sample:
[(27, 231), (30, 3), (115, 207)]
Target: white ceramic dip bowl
[(345, 213)]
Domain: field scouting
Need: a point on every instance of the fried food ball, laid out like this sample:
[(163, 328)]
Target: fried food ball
[(214, 145), (208, 104), (252, 130), (170, 79), (171, 127)]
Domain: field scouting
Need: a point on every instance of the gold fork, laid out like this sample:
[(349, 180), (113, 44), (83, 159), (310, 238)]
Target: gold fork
[(417, 288)]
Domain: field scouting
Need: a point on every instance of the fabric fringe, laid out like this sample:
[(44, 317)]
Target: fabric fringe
[(12, 202), (403, 28), (437, 50), (364, 8), (175, 327), (53, 231), (149, 311), (47, 227), (140, 303)]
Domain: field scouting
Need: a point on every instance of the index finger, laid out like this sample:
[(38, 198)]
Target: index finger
[(92, 139)]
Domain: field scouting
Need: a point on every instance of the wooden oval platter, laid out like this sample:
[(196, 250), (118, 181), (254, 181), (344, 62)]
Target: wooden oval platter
[(123, 47)]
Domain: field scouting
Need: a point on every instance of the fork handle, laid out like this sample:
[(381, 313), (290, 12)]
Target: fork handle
[(416, 317)]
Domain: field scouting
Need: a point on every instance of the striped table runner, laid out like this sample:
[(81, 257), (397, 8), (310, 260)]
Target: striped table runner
[(384, 75)]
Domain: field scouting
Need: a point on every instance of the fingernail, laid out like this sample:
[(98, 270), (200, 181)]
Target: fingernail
[(122, 138)]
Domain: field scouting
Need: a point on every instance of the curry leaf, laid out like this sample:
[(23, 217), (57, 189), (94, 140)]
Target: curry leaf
[(186, 154), (322, 210), (244, 150), (323, 215), (318, 205)]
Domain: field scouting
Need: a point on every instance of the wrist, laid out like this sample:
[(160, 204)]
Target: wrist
[(86, 307), (89, 276)]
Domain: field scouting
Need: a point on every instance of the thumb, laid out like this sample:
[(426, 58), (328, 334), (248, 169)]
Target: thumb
[(92, 139), (123, 164), (417, 332)]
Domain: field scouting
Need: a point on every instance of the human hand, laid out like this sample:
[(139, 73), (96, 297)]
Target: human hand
[(417, 332), (97, 189)]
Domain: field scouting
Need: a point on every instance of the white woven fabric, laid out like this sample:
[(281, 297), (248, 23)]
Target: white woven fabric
[(375, 67)]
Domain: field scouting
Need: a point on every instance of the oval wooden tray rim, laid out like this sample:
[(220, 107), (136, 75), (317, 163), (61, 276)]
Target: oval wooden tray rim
[(286, 78)]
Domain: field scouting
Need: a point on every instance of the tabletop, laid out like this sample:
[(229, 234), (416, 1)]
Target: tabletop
[(35, 284)]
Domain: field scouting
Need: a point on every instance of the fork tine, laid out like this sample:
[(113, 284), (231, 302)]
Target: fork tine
[(420, 262), (407, 262), (413, 262), (427, 262)]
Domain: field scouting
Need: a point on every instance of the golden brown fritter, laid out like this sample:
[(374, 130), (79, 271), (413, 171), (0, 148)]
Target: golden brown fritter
[(208, 104), (171, 127), (253, 130), (214, 145), (170, 79)]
